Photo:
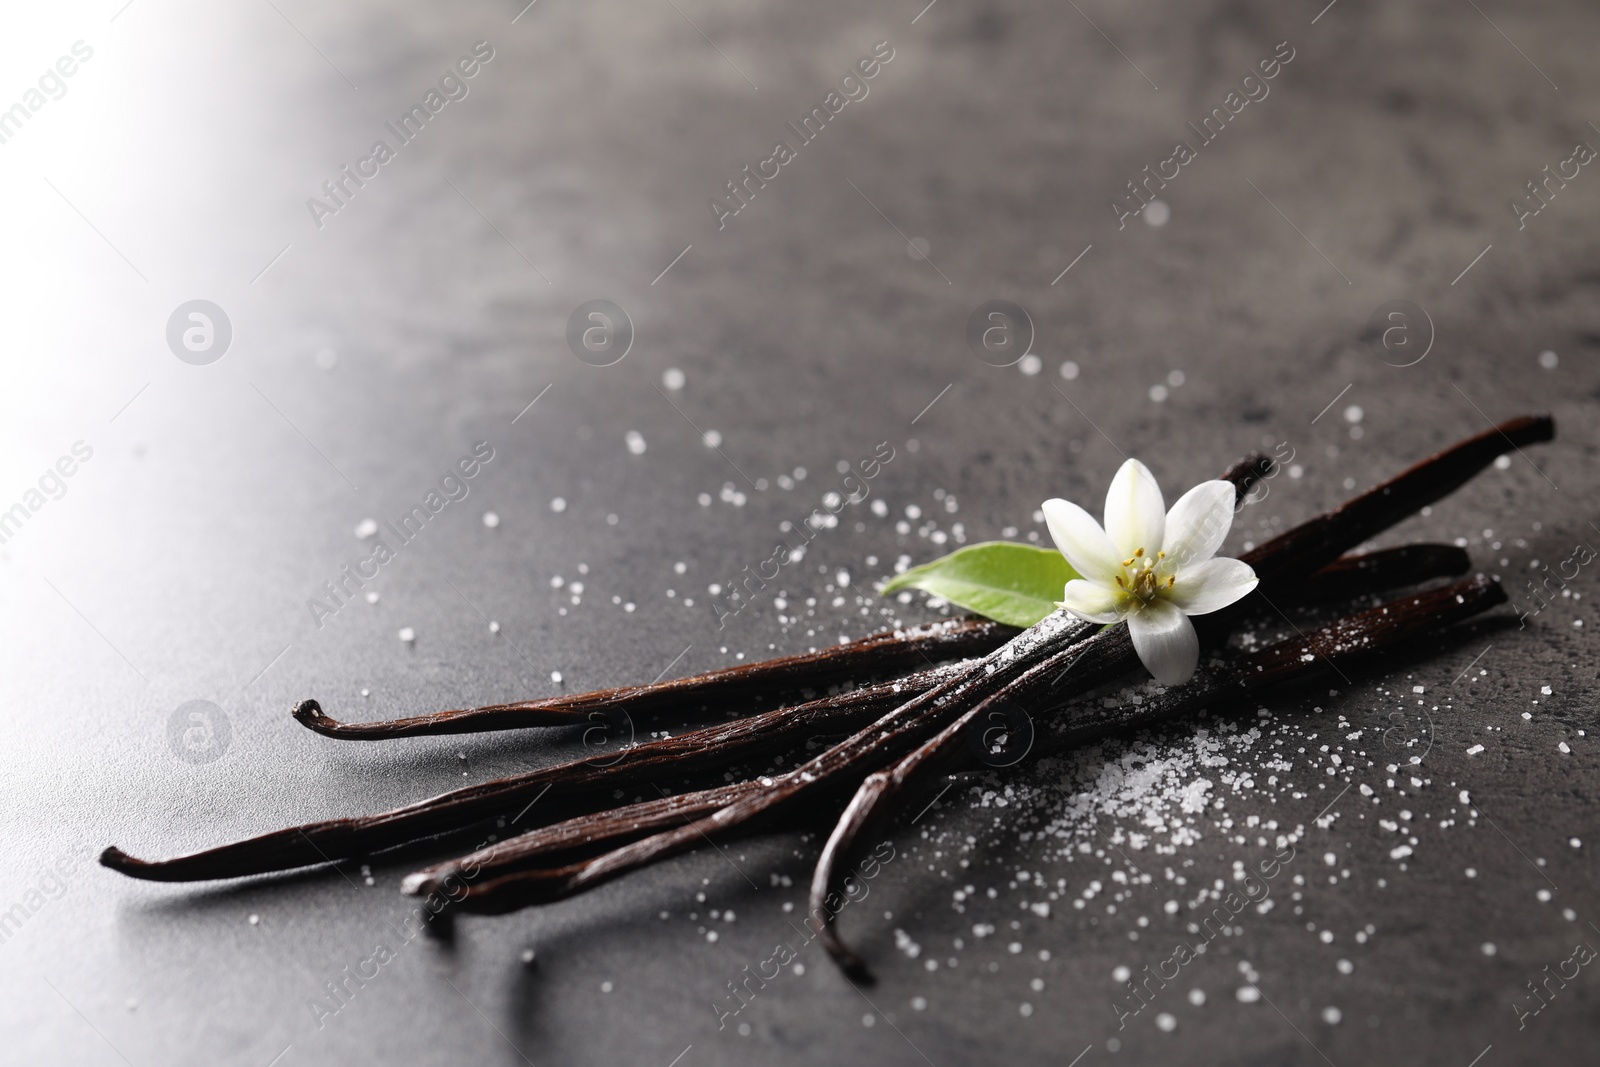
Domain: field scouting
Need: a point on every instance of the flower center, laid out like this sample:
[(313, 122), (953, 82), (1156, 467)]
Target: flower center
[(1141, 576)]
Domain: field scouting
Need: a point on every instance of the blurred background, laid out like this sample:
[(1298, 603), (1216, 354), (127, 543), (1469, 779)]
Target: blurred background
[(179, 491)]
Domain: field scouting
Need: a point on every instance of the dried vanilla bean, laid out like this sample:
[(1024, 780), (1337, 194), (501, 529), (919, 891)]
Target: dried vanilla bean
[(832, 770), (1313, 544), (1349, 577), (876, 655), (1011, 669), (341, 838), (589, 781), (1283, 561), (1376, 630), (494, 880), (585, 833), (1350, 638)]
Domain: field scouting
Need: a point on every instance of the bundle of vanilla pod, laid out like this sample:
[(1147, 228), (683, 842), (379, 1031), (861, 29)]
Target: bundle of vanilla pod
[(910, 705)]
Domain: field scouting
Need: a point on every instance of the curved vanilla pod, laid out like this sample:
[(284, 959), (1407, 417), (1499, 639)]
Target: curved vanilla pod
[(833, 770), (589, 781), (333, 839), (584, 833), (1353, 637), (1346, 578), (875, 655), (1313, 544), (1281, 562)]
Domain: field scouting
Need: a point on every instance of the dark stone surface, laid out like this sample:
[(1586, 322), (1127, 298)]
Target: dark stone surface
[(179, 563)]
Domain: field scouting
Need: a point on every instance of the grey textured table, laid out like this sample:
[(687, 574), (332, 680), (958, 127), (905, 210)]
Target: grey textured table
[(421, 309)]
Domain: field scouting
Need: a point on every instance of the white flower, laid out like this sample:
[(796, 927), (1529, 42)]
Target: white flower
[(1151, 566)]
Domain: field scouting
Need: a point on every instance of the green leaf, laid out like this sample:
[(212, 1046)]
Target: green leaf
[(1001, 580)]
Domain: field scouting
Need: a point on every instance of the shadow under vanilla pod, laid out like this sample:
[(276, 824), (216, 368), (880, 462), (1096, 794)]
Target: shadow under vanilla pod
[(922, 731), (337, 993), (785, 953)]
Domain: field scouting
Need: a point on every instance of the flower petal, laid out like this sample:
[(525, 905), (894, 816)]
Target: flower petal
[(1166, 642), (1214, 584), (1094, 602), (1082, 541), (1136, 516), (1197, 523)]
